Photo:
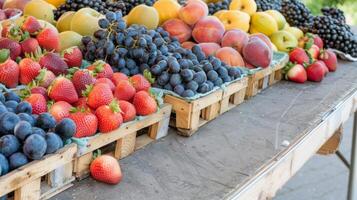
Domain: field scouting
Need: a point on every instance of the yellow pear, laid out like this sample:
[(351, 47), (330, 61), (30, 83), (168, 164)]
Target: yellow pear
[(85, 21), (144, 15), (167, 9), (64, 22), (235, 19), (279, 18), (248, 6), (69, 39), (264, 23), (295, 31)]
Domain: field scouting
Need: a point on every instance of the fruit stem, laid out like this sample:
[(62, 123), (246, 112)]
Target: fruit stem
[(4, 55)]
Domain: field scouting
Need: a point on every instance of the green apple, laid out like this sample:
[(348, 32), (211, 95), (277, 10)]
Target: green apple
[(284, 40), (85, 21), (295, 31), (279, 18)]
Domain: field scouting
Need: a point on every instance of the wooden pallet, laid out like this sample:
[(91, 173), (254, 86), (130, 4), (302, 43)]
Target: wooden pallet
[(125, 140), (41, 179), (264, 78), (188, 116)]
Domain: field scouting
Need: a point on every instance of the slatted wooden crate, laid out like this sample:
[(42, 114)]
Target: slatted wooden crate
[(41, 179), (189, 115), (125, 140), (264, 78)]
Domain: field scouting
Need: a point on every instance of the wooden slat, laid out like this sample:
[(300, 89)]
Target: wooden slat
[(30, 191)]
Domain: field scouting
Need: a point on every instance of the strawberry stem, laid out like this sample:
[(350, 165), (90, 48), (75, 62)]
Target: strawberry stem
[(4, 55)]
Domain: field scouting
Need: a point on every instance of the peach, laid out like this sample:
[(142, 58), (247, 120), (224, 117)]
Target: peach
[(264, 38), (177, 28), (208, 29), (188, 45), (257, 53), (230, 56), (209, 48), (235, 39), (193, 11)]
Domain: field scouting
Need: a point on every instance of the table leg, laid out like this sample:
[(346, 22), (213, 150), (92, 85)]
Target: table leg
[(352, 183)]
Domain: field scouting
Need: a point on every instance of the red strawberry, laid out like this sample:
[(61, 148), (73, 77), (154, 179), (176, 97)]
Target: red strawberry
[(86, 123), (63, 89), (99, 95), (109, 117), (299, 56), (102, 69), (127, 110), (45, 78), (48, 39), (31, 25), (144, 103), (314, 51), (140, 83), (106, 81), (29, 46), (40, 90), (13, 46), (9, 70), (60, 110), (315, 72), (318, 41), (106, 169), (38, 103), (330, 59), (296, 73), (118, 76), (324, 65), (82, 103), (29, 70), (81, 79), (124, 91), (73, 57), (54, 63)]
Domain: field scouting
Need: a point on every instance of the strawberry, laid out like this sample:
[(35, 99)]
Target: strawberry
[(62, 89), (106, 169), (109, 117), (40, 90), (299, 56), (81, 78), (31, 25), (60, 110), (144, 103), (315, 72), (82, 103), (9, 70), (118, 76), (98, 95), (318, 41), (73, 56), (29, 70), (124, 91), (330, 59), (30, 46), (45, 78), (54, 63), (324, 65), (38, 103), (101, 69), (13, 46), (295, 73), (140, 83), (106, 81), (314, 51), (86, 123), (48, 39), (127, 110)]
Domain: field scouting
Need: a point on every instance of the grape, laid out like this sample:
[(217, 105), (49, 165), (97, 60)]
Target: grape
[(263, 5), (334, 13), (217, 6), (296, 14)]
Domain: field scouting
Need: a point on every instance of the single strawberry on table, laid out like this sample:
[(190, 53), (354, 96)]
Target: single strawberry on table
[(62, 89), (144, 103), (29, 70), (101, 69), (330, 59), (98, 95), (299, 56), (9, 70), (48, 39), (38, 103), (60, 110), (295, 73), (73, 56), (81, 78), (315, 72), (86, 122), (45, 78), (124, 91), (127, 110), (106, 169), (31, 25), (54, 63), (118, 76), (109, 117)]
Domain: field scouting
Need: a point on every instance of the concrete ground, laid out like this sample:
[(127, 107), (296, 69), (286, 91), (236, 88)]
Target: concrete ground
[(322, 177)]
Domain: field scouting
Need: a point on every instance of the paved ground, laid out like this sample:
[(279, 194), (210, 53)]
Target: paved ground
[(322, 177)]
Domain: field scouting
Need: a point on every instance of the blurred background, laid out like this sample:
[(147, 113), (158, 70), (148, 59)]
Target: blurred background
[(348, 6)]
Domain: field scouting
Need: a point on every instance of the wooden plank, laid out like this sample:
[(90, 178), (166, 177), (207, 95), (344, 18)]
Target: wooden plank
[(36, 169), (30, 191)]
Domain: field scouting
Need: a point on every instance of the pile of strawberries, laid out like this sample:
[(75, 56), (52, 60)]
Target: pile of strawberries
[(310, 61), (33, 48)]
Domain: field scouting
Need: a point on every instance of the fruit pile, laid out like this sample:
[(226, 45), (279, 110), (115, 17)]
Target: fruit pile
[(8, 13), (25, 136), (310, 61)]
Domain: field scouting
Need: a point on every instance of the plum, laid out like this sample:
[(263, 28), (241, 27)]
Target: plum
[(4, 165), (26, 117), (22, 130), (17, 160), (8, 121), (66, 128), (54, 142), (45, 121), (24, 107), (12, 96), (9, 144), (38, 131), (35, 147)]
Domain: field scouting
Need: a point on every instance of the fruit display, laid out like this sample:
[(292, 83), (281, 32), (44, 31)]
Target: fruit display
[(9, 13), (106, 169)]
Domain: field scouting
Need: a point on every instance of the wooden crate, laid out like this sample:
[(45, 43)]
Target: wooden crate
[(188, 116), (264, 78), (41, 179), (124, 140)]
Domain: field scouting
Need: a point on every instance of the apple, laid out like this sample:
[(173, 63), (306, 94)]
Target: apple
[(248, 6), (284, 40), (279, 18), (295, 31), (85, 21), (235, 19)]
